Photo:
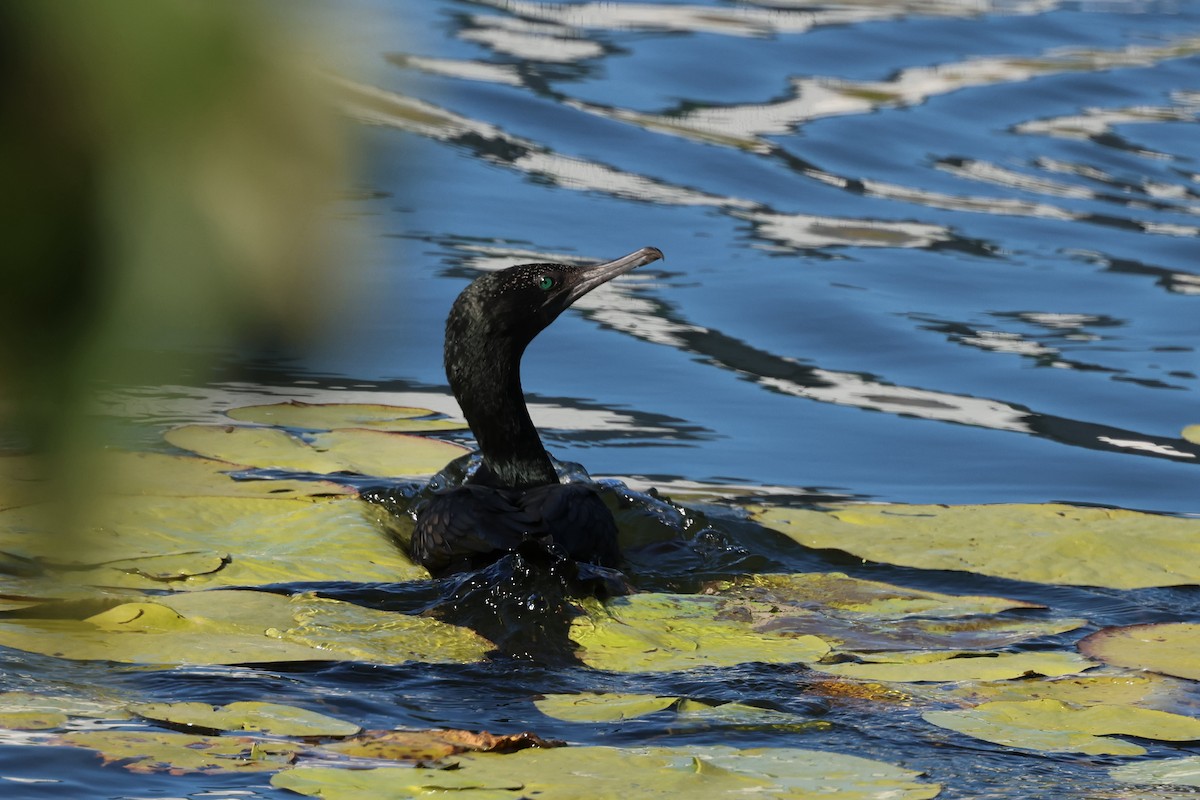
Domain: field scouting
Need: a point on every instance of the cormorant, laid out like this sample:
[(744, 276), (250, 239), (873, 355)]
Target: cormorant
[(514, 496)]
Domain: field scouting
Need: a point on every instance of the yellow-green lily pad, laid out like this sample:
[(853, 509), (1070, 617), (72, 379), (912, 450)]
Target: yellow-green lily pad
[(607, 773), (166, 475), (1138, 689), (213, 541), (270, 718), (329, 416), (365, 452), (657, 632), (1055, 726), (1161, 772), (1172, 648), (836, 592), (1048, 543), (95, 706), (156, 751), (31, 720), (601, 706), (237, 627), (1192, 434), (919, 666)]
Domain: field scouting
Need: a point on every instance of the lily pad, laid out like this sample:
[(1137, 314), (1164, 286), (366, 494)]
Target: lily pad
[(604, 707), (271, 718), (177, 753), (921, 666), (1162, 772), (656, 632), (166, 475), (1191, 433), (601, 706), (1049, 543), (212, 541), (836, 592), (607, 773), (365, 452), (237, 627), (328, 416), (1172, 648), (1145, 689), (1055, 726)]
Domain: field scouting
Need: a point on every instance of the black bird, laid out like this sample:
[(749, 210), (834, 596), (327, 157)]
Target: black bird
[(514, 496)]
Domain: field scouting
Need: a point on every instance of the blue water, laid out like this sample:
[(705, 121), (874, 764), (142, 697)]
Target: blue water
[(943, 253)]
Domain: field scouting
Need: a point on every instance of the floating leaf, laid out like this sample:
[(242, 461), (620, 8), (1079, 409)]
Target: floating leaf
[(847, 612), (1191, 433), (1126, 689), (272, 718), (167, 475), (152, 751), (1170, 648), (587, 773), (238, 627), (1162, 772), (95, 707), (365, 452), (836, 592), (31, 720), (1055, 726), (658, 632), (328, 416), (1048, 543), (957, 666), (202, 542), (601, 706)]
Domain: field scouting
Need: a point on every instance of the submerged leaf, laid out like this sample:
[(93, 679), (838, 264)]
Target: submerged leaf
[(1172, 648), (1055, 726), (431, 746), (272, 718), (957, 666), (153, 751), (239, 627), (1146, 689), (606, 773), (1048, 543), (365, 452), (655, 632), (328, 416), (1162, 772)]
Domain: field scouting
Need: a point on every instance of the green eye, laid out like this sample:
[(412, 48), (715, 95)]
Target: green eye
[(547, 283)]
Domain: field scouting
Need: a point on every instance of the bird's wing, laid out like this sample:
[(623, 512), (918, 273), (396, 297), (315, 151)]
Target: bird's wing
[(457, 526), (577, 519)]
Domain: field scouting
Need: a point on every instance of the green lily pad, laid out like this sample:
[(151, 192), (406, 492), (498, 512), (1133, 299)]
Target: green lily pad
[(31, 720), (365, 452), (212, 541), (1049, 543), (836, 592), (660, 632), (847, 613), (271, 718), (1171, 648), (1138, 689), (155, 751), (328, 416), (607, 773), (1162, 772), (921, 666), (1055, 726), (237, 627), (601, 706), (167, 475)]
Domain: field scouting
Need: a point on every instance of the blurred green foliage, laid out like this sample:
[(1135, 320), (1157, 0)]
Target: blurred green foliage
[(165, 166)]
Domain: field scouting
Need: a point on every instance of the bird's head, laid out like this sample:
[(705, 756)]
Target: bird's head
[(519, 302)]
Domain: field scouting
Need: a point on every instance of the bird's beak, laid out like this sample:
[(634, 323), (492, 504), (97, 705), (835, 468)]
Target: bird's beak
[(591, 277)]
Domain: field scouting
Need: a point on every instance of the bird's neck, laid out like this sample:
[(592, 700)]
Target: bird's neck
[(485, 375)]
